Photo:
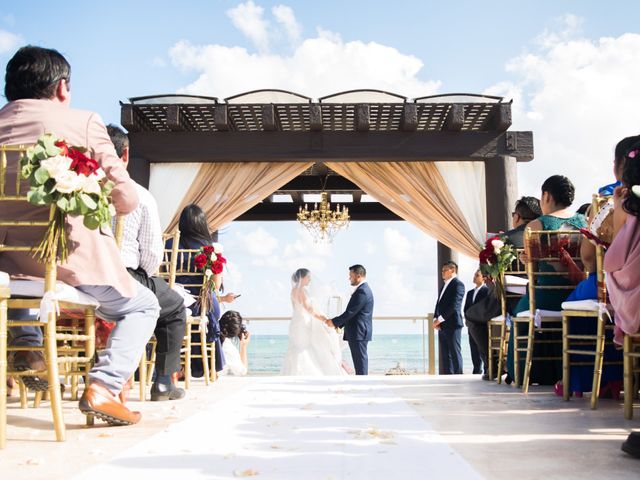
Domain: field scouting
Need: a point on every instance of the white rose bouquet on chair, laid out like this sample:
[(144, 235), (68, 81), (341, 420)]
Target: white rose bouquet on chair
[(63, 177), (495, 258)]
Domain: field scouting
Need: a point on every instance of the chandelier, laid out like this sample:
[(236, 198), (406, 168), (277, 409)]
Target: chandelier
[(322, 222)]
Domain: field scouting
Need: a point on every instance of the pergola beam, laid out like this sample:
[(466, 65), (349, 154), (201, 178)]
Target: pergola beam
[(232, 146), (287, 212)]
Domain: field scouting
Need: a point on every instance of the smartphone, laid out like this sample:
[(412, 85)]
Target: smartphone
[(236, 296)]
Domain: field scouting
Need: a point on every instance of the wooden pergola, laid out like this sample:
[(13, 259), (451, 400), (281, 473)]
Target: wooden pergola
[(361, 125)]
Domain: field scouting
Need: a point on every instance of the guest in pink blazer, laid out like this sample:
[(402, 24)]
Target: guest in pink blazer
[(37, 86)]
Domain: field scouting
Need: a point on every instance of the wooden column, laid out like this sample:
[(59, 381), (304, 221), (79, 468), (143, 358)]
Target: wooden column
[(445, 254), (140, 170), (501, 187)]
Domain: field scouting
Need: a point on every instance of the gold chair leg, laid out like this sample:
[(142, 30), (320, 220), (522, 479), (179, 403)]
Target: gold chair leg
[(37, 398), (205, 357), (529, 358), (23, 393), (3, 372), (187, 358), (597, 365), (628, 378), (516, 354), (90, 343), (142, 375), (489, 350), (566, 366), (503, 338), (51, 357), (212, 362)]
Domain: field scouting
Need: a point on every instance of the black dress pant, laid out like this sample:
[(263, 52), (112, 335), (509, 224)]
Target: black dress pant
[(449, 344), (479, 333), (171, 325), (359, 356)]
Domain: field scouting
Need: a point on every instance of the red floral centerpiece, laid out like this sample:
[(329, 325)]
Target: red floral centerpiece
[(62, 175), (495, 258)]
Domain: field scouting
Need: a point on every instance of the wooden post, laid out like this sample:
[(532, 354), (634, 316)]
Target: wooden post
[(140, 170), (501, 187)]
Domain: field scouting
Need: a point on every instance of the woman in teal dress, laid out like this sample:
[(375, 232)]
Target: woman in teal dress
[(556, 199)]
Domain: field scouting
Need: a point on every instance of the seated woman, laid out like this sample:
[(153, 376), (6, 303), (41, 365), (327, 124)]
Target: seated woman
[(194, 234), (582, 375), (622, 260), (231, 327), (555, 202)]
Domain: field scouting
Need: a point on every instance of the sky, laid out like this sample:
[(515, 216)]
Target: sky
[(571, 68)]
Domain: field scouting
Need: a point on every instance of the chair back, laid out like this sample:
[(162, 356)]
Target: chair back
[(169, 265), (597, 203), (552, 261), (13, 191)]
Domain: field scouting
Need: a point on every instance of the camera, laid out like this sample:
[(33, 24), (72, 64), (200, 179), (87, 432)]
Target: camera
[(243, 331)]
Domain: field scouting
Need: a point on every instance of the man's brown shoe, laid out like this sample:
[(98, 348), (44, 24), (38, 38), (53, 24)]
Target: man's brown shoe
[(27, 360), (99, 401)]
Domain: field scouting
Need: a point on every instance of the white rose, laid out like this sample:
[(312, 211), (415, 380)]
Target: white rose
[(99, 174), (214, 257), (67, 182), (56, 165), (497, 245), (218, 248), (208, 272), (89, 184)]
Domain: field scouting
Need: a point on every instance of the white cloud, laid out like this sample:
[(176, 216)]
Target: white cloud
[(579, 97), (397, 246), (258, 242), (316, 66), (158, 62), (563, 28), (248, 18), (9, 41), (284, 16)]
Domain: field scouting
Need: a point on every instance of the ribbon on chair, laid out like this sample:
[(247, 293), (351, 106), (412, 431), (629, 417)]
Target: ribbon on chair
[(48, 304), (603, 311), (537, 318)]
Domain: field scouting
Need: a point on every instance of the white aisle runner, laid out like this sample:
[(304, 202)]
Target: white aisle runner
[(296, 428)]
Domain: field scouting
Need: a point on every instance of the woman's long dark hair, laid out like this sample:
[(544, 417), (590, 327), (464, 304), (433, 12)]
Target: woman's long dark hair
[(193, 225), (630, 178)]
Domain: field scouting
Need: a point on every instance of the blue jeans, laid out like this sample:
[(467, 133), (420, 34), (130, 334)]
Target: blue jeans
[(135, 319)]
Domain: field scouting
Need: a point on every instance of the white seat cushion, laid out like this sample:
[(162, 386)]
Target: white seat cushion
[(499, 318), (514, 284), (589, 305), (543, 313), (4, 279), (64, 292)]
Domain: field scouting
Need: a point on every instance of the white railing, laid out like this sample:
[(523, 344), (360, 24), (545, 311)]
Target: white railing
[(428, 335)]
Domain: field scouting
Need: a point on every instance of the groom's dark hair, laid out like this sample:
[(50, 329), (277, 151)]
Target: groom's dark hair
[(358, 270)]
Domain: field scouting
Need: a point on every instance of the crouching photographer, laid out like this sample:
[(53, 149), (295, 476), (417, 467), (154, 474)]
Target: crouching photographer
[(231, 328)]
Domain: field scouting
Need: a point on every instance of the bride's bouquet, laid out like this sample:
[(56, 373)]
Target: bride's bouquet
[(62, 176)]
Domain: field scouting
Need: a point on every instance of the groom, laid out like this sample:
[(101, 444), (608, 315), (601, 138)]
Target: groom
[(357, 319)]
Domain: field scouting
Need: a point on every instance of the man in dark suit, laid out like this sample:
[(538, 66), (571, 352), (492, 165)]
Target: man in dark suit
[(357, 319), (448, 320), (478, 334)]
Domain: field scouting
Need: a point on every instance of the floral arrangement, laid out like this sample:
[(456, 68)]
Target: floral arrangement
[(210, 261), (62, 175), (495, 258)]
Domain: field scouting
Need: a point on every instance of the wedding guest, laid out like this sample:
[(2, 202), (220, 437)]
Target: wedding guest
[(142, 250), (526, 209), (555, 202), (478, 334), (622, 260), (231, 327), (194, 234), (37, 85), (448, 320)]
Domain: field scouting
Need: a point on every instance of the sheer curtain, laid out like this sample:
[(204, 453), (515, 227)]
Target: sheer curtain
[(417, 192), (168, 183), (226, 190)]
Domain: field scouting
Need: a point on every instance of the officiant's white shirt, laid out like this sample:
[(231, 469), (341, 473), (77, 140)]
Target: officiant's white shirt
[(446, 284)]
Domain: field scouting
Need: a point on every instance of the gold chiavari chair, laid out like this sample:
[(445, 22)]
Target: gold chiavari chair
[(191, 278), (578, 344), (631, 369), (553, 268), (498, 327), (26, 294), (4, 297)]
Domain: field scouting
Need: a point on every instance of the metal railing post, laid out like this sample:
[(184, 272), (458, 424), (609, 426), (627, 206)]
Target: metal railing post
[(432, 345)]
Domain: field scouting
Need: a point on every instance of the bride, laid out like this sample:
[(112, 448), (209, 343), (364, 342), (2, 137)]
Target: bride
[(314, 348)]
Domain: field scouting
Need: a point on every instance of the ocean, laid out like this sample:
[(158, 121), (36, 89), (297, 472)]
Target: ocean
[(266, 353)]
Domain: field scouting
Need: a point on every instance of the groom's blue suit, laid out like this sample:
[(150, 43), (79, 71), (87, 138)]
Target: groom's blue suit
[(357, 321)]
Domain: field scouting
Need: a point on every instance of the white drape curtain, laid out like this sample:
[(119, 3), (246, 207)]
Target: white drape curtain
[(168, 183), (466, 182)]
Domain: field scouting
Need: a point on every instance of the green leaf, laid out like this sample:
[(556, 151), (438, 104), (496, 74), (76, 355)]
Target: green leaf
[(39, 152), (91, 222), (73, 207), (37, 196), (49, 145), (41, 175), (63, 204), (88, 202)]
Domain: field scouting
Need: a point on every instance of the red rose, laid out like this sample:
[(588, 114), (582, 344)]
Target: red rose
[(207, 249), (200, 261), (62, 145), (217, 267), (82, 164)]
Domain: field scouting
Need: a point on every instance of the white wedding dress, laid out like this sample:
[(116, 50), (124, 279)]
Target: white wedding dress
[(314, 349)]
